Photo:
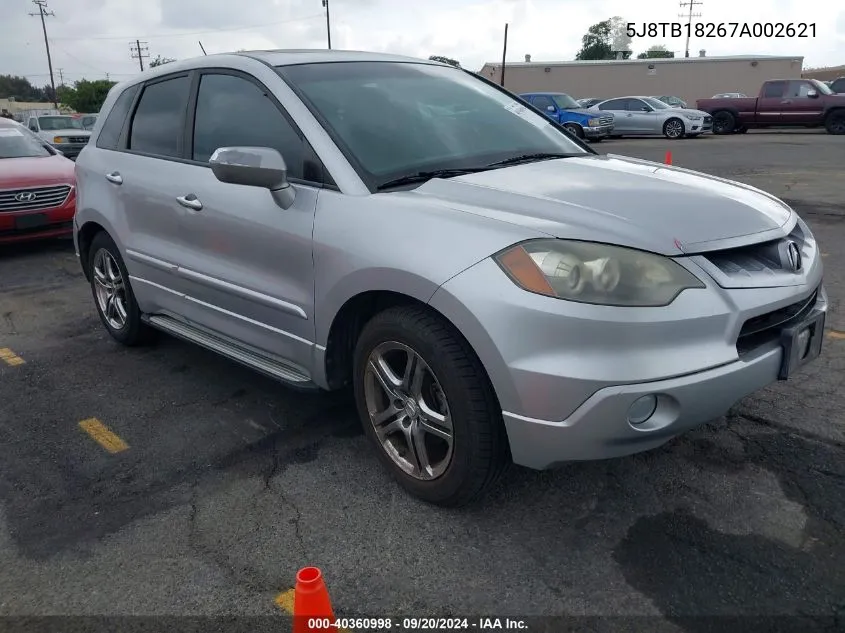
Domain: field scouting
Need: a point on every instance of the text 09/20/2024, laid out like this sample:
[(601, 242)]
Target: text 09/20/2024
[(722, 29)]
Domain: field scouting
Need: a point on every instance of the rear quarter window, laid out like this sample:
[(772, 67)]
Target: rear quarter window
[(110, 134)]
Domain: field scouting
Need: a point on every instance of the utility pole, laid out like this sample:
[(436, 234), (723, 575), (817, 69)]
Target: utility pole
[(42, 11), (691, 4), (328, 23), (139, 52), (61, 77), (504, 56)]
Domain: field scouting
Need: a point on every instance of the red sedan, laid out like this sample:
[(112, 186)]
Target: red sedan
[(37, 187)]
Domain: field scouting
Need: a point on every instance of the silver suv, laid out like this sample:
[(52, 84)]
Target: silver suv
[(492, 289)]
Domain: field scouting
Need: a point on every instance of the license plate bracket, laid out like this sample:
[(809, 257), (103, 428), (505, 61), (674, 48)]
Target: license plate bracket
[(31, 221), (795, 343)]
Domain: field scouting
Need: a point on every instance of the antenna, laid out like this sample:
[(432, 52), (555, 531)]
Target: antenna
[(691, 4)]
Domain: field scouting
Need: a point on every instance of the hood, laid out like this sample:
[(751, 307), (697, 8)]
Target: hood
[(586, 112), (692, 111), (33, 172), (619, 200)]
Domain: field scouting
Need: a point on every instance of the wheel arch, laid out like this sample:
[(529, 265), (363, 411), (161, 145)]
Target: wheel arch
[(84, 237)]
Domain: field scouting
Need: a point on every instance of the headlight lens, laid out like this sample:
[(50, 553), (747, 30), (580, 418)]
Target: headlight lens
[(693, 117), (60, 139), (596, 273), (593, 122)]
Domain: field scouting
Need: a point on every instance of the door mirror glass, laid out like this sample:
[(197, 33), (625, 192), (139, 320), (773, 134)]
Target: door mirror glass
[(550, 108), (254, 167), (646, 109), (812, 94)]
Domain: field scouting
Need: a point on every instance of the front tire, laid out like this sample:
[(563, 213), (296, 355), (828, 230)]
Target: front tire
[(835, 122), (575, 130), (426, 404), (673, 129), (113, 296)]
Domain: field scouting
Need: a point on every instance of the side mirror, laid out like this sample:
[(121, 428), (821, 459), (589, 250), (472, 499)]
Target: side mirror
[(550, 108), (646, 109), (812, 94), (33, 128), (254, 167)]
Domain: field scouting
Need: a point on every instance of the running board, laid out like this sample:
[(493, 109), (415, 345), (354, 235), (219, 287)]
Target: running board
[(249, 358)]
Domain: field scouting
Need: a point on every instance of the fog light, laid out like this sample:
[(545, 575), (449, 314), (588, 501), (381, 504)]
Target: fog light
[(642, 409), (803, 342)]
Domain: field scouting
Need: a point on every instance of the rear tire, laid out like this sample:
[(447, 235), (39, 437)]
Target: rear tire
[(452, 389), (113, 296), (835, 122)]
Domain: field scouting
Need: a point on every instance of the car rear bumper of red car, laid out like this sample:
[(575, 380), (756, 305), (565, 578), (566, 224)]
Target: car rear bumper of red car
[(19, 225)]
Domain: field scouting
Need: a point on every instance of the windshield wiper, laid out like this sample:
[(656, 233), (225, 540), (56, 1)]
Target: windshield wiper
[(424, 176), (528, 158)]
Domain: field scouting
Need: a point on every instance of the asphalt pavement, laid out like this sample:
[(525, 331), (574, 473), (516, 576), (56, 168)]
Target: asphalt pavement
[(169, 481)]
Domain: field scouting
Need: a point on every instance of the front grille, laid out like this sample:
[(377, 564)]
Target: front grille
[(765, 328), (77, 139), (34, 199), (605, 120)]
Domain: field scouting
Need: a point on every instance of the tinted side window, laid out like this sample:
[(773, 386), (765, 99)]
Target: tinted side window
[(234, 111), (799, 89), (613, 104), (838, 85), (110, 134), (774, 89), (543, 102), (157, 125), (636, 105)]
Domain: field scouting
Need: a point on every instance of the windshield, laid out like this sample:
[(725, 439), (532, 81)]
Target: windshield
[(822, 87), (17, 143), (397, 119), (656, 103), (565, 102), (52, 123)]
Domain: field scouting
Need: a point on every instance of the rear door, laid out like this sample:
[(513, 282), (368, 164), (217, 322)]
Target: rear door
[(798, 108), (623, 120), (248, 263), (771, 103)]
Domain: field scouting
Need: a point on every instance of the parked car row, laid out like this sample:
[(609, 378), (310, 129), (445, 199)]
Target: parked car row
[(622, 116)]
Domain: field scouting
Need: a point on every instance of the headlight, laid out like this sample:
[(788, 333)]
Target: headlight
[(60, 139), (593, 123), (595, 273), (693, 117)]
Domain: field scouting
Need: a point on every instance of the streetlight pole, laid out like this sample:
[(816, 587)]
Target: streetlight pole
[(328, 23)]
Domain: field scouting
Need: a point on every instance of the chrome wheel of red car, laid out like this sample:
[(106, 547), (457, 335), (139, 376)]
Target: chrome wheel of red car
[(110, 289)]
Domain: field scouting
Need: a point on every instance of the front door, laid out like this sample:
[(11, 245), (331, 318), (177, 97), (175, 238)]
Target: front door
[(248, 264), (643, 119), (798, 108)]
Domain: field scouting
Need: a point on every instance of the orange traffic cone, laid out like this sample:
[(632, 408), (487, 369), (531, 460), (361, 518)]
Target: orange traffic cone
[(310, 601), (668, 159)]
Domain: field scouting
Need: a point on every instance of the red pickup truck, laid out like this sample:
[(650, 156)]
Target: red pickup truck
[(782, 102)]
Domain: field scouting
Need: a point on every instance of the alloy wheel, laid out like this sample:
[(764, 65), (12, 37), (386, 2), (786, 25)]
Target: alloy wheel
[(408, 410), (110, 290), (674, 129)]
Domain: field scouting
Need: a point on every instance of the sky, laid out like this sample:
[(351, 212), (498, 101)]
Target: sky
[(91, 38)]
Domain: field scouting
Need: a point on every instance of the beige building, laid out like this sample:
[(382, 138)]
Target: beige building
[(822, 74), (689, 78)]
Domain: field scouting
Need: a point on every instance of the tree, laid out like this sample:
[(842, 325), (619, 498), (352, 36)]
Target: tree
[(445, 60), (656, 52), (603, 39), (86, 96), (19, 88), (160, 61)]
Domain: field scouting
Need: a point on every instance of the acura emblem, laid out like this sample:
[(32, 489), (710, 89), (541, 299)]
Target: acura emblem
[(793, 254), (25, 196)]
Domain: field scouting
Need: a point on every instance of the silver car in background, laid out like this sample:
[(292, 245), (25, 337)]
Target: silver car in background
[(336, 219), (646, 116)]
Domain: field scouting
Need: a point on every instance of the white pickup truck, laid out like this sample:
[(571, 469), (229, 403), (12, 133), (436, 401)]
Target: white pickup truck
[(64, 132)]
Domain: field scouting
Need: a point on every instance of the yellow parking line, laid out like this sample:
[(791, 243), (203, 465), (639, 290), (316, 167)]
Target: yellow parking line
[(285, 602), (101, 434), (836, 334), (10, 358)]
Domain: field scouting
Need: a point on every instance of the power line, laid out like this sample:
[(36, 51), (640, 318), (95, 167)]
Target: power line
[(42, 11), (139, 52), (691, 4), (167, 35)]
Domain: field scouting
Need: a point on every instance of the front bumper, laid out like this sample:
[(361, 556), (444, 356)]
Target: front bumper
[(24, 226), (70, 150), (700, 127), (602, 131), (566, 374)]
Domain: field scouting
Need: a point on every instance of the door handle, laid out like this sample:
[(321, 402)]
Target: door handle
[(115, 177), (190, 201)]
